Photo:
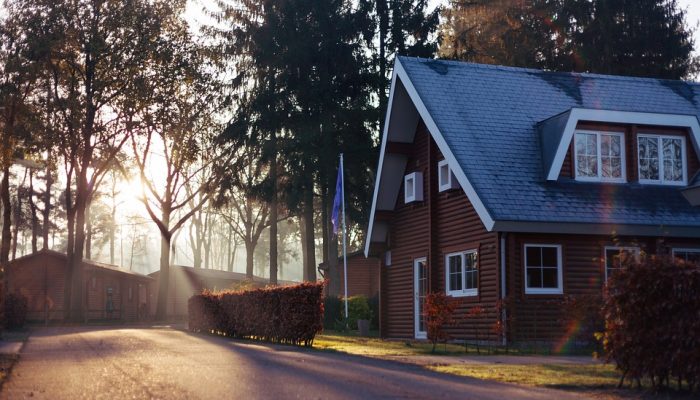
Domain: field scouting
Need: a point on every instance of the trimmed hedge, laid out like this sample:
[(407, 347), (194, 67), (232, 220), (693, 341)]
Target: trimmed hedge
[(652, 322), (286, 314)]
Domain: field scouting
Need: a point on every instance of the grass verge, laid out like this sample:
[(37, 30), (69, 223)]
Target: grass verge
[(567, 376), (351, 343)]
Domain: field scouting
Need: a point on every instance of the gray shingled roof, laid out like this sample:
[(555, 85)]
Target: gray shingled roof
[(488, 116)]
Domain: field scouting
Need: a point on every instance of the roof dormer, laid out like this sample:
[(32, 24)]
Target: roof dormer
[(647, 154)]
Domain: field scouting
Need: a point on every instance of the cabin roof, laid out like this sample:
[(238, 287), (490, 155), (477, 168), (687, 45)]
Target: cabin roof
[(91, 263)]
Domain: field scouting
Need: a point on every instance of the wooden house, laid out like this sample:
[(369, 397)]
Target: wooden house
[(111, 293), (506, 183)]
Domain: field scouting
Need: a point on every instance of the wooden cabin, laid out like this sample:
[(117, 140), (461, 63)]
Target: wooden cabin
[(500, 183), (111, 293)]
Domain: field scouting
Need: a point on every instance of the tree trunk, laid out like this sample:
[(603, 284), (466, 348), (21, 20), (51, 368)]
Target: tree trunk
[(206, 242), (273, 214), (70, 240), (113, 220), (75, 262), (164, 276), (310, 266), (249, 259), (47, 206), (382, 12), (88, 232), (6, 217), (18, 216), (32, 208)]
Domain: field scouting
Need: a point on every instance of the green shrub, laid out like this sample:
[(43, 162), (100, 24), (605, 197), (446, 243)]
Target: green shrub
[(374, 307), (358, 308), (15, 311)]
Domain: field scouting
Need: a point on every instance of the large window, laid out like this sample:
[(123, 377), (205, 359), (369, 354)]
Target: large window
[(462, 274), (687, 255), (543, 272), (600, 156), (617, 257), (661, 159)]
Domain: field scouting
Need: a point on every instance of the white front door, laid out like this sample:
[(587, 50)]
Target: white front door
[(420, 289)]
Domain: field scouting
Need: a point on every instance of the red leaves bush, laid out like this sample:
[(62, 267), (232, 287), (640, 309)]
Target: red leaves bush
[(438, 312), (15, 309), (652, 322), (288, 314)]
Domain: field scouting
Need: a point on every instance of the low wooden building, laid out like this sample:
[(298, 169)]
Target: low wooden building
[(363, 274), (188, 281), (111, 293)]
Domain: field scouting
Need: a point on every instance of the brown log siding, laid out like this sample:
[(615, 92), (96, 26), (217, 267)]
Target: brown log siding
[(418, 230)]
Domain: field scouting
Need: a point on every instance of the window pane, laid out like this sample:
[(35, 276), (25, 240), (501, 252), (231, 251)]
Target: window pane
[(648, 158), (673, 159), (534, 277), (549, 257), (586, 155), (444, 174), (533, 256), (455, 275), (471, 271), (549, 278), (611, 156)]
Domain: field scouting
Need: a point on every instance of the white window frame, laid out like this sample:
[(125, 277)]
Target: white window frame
[(451, 182), (560, 274), (417, 187), (635, 249), (599, 157), (464, 292), (684, 160), (684, 250)]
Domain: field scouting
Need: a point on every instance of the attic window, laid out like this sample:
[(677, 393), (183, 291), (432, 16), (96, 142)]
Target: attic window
[(413, 187), (600, 156), (446, 179), (661, 159)]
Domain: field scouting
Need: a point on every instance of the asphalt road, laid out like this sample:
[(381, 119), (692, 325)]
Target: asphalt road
[(164, 363)]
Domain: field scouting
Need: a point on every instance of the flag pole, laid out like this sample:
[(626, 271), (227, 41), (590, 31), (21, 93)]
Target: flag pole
[(345, 235)]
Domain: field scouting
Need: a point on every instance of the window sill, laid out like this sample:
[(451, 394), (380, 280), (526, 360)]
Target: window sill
[(543, 291), (464, 293)]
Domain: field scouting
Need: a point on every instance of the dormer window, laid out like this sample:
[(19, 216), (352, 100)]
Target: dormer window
[(661, 159), (600, 156), (446, 179), (413, 187)]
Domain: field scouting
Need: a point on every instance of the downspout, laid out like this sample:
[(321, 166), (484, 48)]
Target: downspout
[(503, 286)]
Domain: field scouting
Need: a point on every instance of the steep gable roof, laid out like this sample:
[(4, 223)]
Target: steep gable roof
[(488, 120)]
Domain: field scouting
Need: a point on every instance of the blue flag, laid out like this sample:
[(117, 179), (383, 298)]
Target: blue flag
[(335, 217)]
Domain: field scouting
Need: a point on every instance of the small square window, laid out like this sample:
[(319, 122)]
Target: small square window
[(446, 179), (462, 274), (413, 187), (543, 269)]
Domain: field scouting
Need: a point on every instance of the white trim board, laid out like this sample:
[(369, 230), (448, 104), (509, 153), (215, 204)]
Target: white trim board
[(620, 117)]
